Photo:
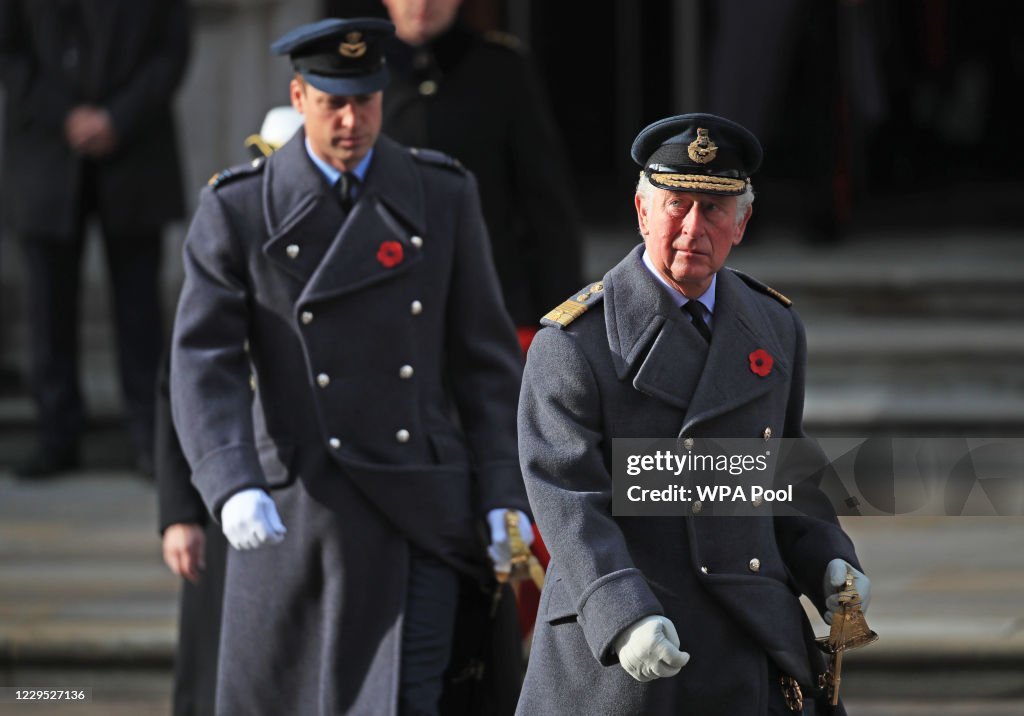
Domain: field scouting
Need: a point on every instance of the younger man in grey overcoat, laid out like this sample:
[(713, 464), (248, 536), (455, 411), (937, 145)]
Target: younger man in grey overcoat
[(687, 615), (339, 306)]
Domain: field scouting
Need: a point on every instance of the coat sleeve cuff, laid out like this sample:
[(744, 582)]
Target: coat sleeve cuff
[(501, 487), (225, 471), (609, 605)]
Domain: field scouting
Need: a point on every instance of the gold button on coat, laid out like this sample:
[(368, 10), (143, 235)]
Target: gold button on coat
[(292, 250), (402, 436), (405, 372), (323, 380), (428, 87), (416, 308), (755, 564), (306, 317)]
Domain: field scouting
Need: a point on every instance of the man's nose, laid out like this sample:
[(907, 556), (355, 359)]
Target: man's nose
[(693, 223), (346, 117)]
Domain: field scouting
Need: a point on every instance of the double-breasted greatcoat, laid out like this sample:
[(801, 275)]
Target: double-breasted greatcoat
[(363, 333), (633, 366)]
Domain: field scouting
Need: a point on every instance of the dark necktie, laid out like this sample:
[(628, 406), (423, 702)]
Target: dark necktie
[(696, 311), (346, 185)]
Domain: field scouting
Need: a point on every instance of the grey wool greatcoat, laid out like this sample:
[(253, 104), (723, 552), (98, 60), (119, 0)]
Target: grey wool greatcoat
[(633, 366), (361, 333)]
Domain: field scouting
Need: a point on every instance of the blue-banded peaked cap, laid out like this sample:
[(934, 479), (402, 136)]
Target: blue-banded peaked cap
[(698, 152), (340, 57)]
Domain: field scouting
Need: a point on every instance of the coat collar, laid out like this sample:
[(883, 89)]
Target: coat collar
[(648, 334), (339, 253), (741, 327)]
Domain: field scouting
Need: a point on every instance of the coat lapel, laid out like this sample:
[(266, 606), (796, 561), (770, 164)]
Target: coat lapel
[(312, 239), (740, 328), (376, 241), (639, 312), (300, 213)]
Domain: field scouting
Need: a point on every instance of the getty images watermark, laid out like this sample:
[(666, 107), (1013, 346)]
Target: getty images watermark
[(807, 476)]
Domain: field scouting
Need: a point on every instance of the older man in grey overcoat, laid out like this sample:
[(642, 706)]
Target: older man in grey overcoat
[(673, 615), (340, 307)]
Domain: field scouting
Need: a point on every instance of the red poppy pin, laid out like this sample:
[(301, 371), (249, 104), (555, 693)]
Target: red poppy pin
[(761, 362), (389, 254)]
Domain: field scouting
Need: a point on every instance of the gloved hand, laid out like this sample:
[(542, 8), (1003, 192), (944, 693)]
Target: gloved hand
[(500, 550), (249, 519), (835, 582), (649, 649)]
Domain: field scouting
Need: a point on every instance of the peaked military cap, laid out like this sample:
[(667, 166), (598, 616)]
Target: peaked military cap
[(697, 152), (340, 57)]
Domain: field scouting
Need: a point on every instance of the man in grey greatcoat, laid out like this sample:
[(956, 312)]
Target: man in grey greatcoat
[(693, 614), (339, 306)]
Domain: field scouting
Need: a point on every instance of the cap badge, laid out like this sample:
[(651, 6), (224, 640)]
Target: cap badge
[(354, 46), (702, 149)]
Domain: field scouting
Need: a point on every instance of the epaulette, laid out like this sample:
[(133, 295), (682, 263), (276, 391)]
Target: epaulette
[(437, 159), (758, 286), (575, 306), (226, 176), (504, 39)]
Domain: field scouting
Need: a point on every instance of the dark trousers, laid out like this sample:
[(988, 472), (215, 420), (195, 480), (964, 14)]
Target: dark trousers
[(430, 610), (54, 267)]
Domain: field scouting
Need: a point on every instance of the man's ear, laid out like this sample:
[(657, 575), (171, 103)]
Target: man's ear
[(641, 213), (742, 227), (297, 93)]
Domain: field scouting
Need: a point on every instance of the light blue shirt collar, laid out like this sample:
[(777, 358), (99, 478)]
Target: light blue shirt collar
[(331, 173), (707, 298)]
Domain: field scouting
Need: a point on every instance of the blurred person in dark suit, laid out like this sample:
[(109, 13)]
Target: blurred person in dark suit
[(89, 133), (476, 97), (194, 548)]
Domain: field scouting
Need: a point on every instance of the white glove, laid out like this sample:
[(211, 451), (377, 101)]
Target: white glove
[(835, 582), (649, 649), (249, 519), (500, 550)]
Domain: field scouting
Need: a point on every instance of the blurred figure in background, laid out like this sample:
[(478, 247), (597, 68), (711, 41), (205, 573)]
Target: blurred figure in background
[(194, 547), (89, 133), (476, 98)]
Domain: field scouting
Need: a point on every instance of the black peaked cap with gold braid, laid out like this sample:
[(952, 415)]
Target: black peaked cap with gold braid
[(698, 152)]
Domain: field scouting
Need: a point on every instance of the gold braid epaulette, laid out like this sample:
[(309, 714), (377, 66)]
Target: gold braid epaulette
[(763, 288), (574, 307)]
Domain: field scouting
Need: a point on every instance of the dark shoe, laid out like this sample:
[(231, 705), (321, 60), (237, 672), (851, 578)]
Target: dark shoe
[(46, 463)]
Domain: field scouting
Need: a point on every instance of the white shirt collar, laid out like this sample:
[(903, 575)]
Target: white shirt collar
[(707, 298)]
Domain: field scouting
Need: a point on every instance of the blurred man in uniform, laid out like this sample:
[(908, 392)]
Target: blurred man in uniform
[(476, 98), (89, 132), (193, 546), (701, 613), (339, 301)]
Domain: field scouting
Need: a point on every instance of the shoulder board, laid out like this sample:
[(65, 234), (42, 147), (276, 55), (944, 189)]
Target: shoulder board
[(504, 39), (438, 159), (765, 289), (226, 176), (575, 306)]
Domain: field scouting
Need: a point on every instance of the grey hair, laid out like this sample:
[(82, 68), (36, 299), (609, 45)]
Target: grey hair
[(743, 201)]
